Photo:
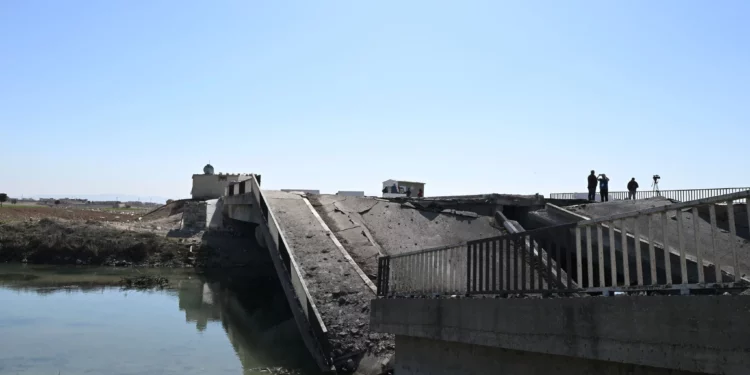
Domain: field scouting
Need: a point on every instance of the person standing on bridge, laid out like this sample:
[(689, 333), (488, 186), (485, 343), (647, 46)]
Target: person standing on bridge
[(632, 187), (604, 187), (592, 186)]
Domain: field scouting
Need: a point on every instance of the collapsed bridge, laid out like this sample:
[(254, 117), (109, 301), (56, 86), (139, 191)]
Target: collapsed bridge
[(326, 248), (334, 254)]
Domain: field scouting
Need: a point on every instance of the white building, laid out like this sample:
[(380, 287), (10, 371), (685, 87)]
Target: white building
[(212, 186), (397, 188)]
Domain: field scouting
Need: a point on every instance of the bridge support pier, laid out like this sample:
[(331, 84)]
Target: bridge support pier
[(624, 334)]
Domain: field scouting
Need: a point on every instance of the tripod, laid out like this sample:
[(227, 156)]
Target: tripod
[(655, 187)]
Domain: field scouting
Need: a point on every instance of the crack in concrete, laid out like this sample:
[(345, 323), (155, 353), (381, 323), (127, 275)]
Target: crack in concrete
[(368, 209), (345, 229)]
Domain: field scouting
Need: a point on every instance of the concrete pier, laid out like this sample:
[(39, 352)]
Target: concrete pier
[(615, 335)]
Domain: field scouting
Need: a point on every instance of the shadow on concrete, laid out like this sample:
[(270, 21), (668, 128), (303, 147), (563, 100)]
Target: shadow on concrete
[(182, 233)]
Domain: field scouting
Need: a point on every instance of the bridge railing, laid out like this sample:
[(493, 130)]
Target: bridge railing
[(435, 270), (237, 188), (678, 195), (525, 262), (681, 245), (278, 247), (633, 251)]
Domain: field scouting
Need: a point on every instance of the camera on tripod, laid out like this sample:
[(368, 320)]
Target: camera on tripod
[(655, 185)]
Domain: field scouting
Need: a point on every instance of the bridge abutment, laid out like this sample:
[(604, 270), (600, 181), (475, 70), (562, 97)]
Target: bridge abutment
[(624, 334)]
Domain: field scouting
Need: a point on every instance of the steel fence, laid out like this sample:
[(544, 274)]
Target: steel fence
[(700, 244), (435, 270), (677, 195), (526, 262), (683, 245)]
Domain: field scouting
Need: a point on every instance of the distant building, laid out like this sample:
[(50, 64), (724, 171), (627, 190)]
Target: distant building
[(307, 191), (212, 186), (351, 193), (401, 187)]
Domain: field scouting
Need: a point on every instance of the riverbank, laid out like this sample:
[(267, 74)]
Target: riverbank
[(82, 236), (58, 241)]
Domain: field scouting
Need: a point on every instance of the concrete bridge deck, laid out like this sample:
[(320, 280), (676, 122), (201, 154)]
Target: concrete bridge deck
[(325, 250), (334, 283), (371, 227)]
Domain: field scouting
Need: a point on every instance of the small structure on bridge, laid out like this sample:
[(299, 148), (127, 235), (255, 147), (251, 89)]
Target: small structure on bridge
[(211, 186), (401, 187)]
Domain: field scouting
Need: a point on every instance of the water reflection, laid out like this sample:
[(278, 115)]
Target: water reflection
[(76, 320)]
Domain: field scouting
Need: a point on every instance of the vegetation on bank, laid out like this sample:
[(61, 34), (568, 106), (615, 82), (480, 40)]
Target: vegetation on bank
[(144, 282), (50, 241)]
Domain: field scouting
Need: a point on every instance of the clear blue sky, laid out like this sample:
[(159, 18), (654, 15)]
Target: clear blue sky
[(468, 96)]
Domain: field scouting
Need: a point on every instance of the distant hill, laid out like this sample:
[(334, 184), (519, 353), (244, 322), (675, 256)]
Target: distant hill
[(106, 197)]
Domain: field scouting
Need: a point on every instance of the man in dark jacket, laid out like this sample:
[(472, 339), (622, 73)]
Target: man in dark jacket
[(604, 187), (632, 187), (592, 186)]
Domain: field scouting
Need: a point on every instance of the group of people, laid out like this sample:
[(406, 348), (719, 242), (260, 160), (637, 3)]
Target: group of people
[(603, 181)]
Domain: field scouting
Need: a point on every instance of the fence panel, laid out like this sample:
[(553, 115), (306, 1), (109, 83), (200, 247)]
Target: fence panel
[(690, 245), (677, 195), (683, 246)]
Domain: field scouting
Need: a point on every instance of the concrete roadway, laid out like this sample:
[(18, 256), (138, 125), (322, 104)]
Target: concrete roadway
[(341, 296), (366, 228)]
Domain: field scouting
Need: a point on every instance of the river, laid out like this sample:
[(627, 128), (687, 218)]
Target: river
[(77, 320)]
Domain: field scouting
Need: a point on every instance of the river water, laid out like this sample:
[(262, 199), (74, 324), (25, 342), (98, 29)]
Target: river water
[(77, 320)]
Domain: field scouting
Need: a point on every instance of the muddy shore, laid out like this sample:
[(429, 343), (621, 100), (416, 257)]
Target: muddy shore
[(57, 241), (81, 237)]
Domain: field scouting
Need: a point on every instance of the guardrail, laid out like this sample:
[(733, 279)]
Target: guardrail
[(568, 258), (678, 195), (278, 247), (435, 270), (525, 262), (696, 261)]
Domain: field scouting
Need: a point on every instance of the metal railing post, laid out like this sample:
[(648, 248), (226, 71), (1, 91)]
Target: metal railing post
[(612, 253), (589, 257), (638, 259), (714, 249), (625, 256), (579, 260), (667, 254), (681, 239), (698, 251), (651, 250), (600, 243), (468, 269), (733, 242)]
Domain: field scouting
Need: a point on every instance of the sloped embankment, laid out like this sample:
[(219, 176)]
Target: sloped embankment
[(69, 242)]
